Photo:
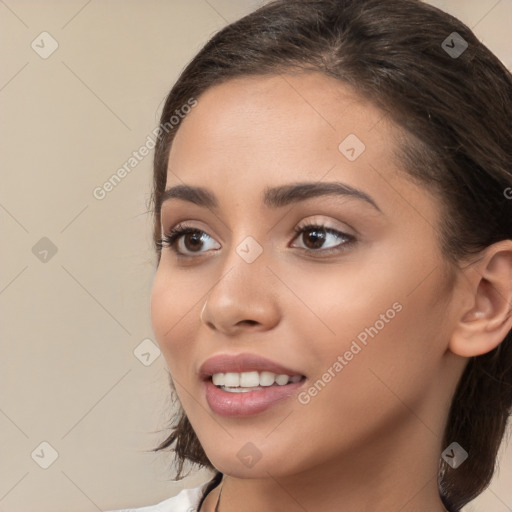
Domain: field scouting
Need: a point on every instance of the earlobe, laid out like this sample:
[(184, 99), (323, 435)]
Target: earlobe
[(486, 323)]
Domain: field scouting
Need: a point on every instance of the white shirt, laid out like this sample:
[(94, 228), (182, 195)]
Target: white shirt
[(187, 500)]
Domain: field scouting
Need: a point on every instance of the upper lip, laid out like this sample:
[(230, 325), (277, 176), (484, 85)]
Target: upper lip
[(224, 363)]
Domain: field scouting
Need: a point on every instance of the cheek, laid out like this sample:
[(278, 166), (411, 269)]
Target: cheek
[(368, 379), (162, 308), (385, 327), (336, 308), (174, 310)]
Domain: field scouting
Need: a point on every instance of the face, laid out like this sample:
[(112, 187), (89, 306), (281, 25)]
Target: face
[(345, 287)]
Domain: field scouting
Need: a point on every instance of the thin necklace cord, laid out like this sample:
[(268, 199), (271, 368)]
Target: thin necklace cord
[(218, 500)]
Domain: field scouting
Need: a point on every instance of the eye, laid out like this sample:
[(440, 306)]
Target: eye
[(318, 234), (184, 238)]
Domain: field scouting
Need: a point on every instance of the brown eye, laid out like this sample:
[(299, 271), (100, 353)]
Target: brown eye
[(314, 238), (193, 240)]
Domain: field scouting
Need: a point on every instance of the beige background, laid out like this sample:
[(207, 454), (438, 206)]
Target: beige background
[(70, 324)]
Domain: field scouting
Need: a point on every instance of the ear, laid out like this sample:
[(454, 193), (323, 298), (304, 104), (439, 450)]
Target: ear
[(485, 323)]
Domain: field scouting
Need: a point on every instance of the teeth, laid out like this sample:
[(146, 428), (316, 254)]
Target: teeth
[(282, 379), (248, 380), (267, 378), (232, 380), (252, 379)]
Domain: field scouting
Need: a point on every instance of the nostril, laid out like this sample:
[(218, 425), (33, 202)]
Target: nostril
[(250, 322)]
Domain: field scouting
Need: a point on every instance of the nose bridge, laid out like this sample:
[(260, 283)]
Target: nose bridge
[(244, 267), (244, 291)]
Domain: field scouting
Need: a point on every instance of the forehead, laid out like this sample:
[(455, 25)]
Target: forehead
[(264, 121), (278, 113), (251, 133)]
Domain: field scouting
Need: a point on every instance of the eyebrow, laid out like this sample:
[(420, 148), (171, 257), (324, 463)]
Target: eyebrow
[(274, 197)]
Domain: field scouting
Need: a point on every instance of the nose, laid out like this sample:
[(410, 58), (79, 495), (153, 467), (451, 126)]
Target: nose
[(244, 298)]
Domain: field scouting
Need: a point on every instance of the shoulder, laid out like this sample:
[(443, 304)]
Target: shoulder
[(187, 500)]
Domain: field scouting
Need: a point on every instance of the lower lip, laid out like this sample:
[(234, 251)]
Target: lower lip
[(247, 403)]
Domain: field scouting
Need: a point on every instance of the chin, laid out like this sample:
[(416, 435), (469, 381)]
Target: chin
[(239, 464)]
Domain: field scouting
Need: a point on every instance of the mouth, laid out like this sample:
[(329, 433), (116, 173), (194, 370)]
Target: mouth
[(245, 370), (245, 382), (249, 399)]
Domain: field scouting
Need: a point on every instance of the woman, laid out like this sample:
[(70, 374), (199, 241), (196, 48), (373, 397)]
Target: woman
[(333, 224)]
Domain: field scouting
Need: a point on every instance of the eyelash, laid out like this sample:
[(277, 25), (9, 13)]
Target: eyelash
[(169, 240)]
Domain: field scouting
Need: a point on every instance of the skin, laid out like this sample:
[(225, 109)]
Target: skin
[(371, 438)]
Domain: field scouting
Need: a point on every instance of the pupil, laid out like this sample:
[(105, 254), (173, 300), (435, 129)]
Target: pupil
[(317, 238), (196, 240)]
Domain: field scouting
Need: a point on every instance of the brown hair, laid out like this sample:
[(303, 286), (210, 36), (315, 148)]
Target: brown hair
[(455, 112)]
